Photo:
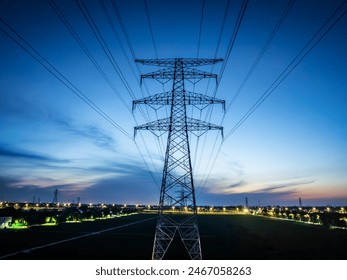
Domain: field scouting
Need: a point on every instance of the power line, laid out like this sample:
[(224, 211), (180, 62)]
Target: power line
[(225, 16), (22, 43), (88, 17), (266, 45), (115, 8), (151, 29), (156, 56), (317, 37), (123, 50), (118, 15), (144, 160), (40, 59), (197, 56), (115, 33), (260, 55), (127, 39), (284, 74), (74, 34), (200, 29), (282, 18), (232, 40), (212, 165), (120, 20), (61, 16)]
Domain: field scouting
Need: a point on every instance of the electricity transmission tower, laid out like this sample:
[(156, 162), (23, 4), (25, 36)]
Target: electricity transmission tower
[(55, 198), (177, 187)]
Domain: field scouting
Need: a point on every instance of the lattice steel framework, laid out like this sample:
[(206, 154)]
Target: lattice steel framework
[(177, 188)]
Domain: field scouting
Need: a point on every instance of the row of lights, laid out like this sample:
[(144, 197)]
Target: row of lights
[(314, 209)]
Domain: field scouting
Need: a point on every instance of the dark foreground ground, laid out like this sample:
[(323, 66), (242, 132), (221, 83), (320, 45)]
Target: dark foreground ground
[(222, 237)]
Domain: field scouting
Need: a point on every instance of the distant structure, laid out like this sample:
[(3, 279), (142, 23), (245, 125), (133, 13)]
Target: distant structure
[(246, 202), (177, 187), (78, 200), (300, 202), (55, 198)]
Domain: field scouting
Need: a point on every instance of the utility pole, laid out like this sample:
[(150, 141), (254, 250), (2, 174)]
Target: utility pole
[(177, 187)]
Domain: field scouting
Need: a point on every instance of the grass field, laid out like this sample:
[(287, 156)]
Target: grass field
[(222, 237)]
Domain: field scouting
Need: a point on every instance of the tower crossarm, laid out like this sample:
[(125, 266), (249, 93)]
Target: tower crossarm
[(170, 73), (187, 62), (191, 98), (193, 125)]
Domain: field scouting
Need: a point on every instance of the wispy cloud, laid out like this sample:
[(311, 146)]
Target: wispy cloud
[(236, 185), (89, 132), (283, 189), (19, 108), (134, 187), (219, 188), (275, 188), (20, 154), (115, 182)]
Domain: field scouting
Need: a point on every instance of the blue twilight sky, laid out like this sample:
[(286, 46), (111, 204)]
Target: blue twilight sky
[(293, 145)]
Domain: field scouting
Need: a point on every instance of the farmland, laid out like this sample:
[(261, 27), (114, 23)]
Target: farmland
[(131, 237)]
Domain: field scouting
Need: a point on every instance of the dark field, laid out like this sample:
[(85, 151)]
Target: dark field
[(222, 237)]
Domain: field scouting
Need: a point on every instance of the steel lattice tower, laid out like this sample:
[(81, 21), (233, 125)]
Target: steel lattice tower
[(177, 188), (55, 198)]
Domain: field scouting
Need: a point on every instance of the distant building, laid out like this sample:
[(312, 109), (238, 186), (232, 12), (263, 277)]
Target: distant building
[(5, 222)]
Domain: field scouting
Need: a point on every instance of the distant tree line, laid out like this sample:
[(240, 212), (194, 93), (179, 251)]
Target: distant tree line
[(324, 218), (56, 216)]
